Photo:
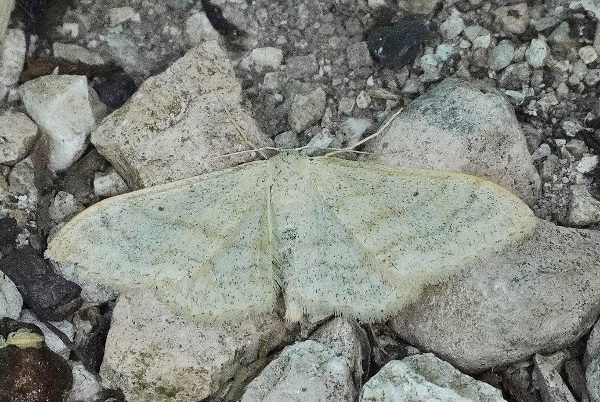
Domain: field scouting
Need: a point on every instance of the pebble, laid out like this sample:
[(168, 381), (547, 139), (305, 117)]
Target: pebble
[(453, 26), (472, 32), (431, 68), (12, 57), (307, 109), (85, 385), (266, 59), (358, 55), (287, 140), (515, 76), (560, 35), (363, 100), (76, 54), (11, 301), (21, 179), (501, 55), (543, 151), (109, 183), (571, 128), (119, 15), (536, 53), (397, 45), (587, 54), (587, 163), (443, 51), (514, 18), (302, 66), (199, 29), (64, 207), (548, 380), (346, 105), (584, 209), (17, 136)]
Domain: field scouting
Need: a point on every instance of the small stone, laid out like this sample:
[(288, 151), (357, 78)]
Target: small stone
[(307, 109), (587, 54), (302, 66), (560, 35), (11, 301), (472, 32), (375, 4), (514, 18), (482, 42), (431, 68), (346, 105), (358, 55), (536, 53), (592, 77), (12, 57), (397, 45), (571, 128), (548, 379), (50, 338), (266, 58), (515, 76), (453, 26), (109, 183), (75, 54), (443, 51), (501, 55), (287, 140), (199, 29), (543, 151), (354, 129), (584, 209), (363, 100), (17, 135), (22, 179), (119, 15), (321, 141), (85, 385), (64, 207), (587, 163)]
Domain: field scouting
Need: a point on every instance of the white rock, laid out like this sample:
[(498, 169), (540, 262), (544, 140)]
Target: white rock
[(587, 163), (587, 54), (425, 378), (76, 53), (548, 379), (6, 8), (446, 129), (163, 135), (12, 57), (198, 29), (318, 143), (287, 140), (514, 17), (11, 301), (571, 127), (363, 100), (453, 26), (543, 151), (17, 135), (22, 179), (150, 350), (60, 105), (472, 32), (119, 15), (64, 207), (50, 338), (374, 4), (431, 69), (109, 183), (584, 209), (537, 52), (443, 51), (85, 385), (304, 372), (353, 129), (307, 109), (501, 55), (482, 42), (266, 58)]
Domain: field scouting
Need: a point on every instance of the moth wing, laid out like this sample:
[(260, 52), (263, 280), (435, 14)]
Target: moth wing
[(202, 244)]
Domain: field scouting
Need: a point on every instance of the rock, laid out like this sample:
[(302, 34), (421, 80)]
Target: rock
[(29, 373), (515, 76), (304, 372), (543, 151), (109, 183), (541, 294), (76, 54), (52, 340), (453, 26), (119, 15), (11, 301), (9, 230), (85, 385), (354, 129), (549, 382), (425, 378), (153, 355), (592, 375), (21, 179), (587, 54), (514, 17), (266, 59), (358, 55), (587, 163), (307, 109), (198, 29), (163, 135), (501, 55), (460, 126), (12, 57), (17, 136), (397, 45), (301, 66), (537, 52), (363, 100), (115, 89), (64, 207), (6, 8), (49, 295), (287, 140), (584, 209), (61, 106)]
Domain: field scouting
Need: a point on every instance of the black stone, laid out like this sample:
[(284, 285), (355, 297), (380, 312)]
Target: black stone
[(397, 45), (8, 234), (49, 295), (114, 89)]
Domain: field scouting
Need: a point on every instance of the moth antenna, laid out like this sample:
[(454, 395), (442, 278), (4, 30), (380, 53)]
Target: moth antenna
[(375, 134), (240, 130)]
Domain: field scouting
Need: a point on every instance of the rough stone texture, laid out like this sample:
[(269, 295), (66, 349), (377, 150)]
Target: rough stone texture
[(12, 56), (61, 106), (11, 301), (425, 378), (539, 295), (176, 125), (592, 376), (307, 109), (584, 209), (154, 355), (85, 385), (459, 126), (304, 372), (17, 135), (548, 379)]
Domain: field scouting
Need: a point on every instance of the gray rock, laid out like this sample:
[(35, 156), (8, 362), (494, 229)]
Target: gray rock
[(11, 301), (177, 124), (50, 338), (12, 57), (453, 26), (301, 66), (584, 209), (425, 378), (154, 355), (266, 59), (592, 375), (6, 8), (76, 54), (61, 107), (21, 179), (460, 126), (198, 29), (307, 109), (501, 55), (85, 385), (587, 54), (17, 135), (537, 52), (515, 76), (358, 55), (287, 140), (513, 17), (64, 207), (541, 294), (109, 183), (304, 372), (547, 377)]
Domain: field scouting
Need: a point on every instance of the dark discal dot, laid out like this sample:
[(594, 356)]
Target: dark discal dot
[(397, 45), (161, 208)]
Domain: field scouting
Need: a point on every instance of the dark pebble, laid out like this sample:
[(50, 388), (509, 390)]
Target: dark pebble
[(8, 234), (397, 45), (49, 295), (114, 90)]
